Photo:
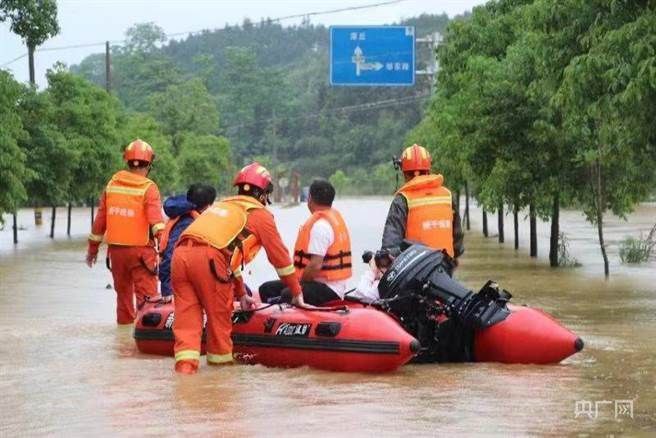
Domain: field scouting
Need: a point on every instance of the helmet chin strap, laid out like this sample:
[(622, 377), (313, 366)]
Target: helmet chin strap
[(396, 162)]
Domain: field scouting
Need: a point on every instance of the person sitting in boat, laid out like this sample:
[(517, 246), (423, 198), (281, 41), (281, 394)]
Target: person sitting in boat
[(181, 211), (322, 254), (423, 210), (367, 288)]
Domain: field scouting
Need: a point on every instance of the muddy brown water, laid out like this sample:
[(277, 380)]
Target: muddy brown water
[(66, 369)]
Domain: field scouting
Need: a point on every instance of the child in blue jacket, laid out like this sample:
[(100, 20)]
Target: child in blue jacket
[(181, 210)]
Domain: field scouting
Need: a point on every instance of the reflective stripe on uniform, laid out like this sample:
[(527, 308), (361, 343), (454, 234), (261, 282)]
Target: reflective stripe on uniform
[(126, 190), (96, 237), (287, 270), (157, 227), (237, 272), (432, 200), (187, 355), (219, 358)]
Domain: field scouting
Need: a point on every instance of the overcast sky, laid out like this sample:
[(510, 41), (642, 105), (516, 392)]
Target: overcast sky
[(91, 21)]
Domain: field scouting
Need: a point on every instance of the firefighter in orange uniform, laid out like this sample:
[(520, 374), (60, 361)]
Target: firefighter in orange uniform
[(130, 220), (207, 263), (423, 210)]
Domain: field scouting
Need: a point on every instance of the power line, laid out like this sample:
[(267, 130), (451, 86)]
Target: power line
[(14, 60), (76, 46), (307, 14), (175, 34), (345, 109)]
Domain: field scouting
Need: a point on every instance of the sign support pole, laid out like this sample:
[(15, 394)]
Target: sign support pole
[(431, 70)]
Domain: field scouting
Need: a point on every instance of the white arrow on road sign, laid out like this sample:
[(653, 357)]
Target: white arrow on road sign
[(360, 64)]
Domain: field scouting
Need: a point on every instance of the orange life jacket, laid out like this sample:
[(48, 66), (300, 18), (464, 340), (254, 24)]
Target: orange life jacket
[(223, 226), (337, 261), (430, 212), (166, 232), (125, 196)]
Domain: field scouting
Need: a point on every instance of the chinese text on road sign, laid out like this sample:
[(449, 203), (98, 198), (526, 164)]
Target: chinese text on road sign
[(372, 55)]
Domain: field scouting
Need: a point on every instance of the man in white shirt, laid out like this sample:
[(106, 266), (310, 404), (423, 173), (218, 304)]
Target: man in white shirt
[(322, 254)]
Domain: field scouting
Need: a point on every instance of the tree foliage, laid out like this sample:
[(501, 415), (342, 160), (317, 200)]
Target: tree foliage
[(546, 103), (165, 169), (205, 158), (185, 108), (86, 116), (270, 84), (13, 172), (50, 157), (33, 20)]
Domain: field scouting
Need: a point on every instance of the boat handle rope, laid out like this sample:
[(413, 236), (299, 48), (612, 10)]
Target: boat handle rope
[(311, 309), (342, 308), (258, 309)]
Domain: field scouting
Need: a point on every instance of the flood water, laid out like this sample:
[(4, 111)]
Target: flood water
[(66, 369)]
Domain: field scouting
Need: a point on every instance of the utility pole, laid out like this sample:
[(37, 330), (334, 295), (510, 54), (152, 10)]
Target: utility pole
[(108, 69), (432, 41)]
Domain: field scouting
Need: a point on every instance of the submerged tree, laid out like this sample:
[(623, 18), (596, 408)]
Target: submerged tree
[(546, 103)]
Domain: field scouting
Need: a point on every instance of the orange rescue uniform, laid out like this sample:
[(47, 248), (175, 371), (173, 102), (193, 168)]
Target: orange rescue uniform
[(337, 261), (430, 213), (130, 213), (206, 273)]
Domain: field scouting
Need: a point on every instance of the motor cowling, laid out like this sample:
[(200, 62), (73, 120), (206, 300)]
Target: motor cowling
[(423, 272)]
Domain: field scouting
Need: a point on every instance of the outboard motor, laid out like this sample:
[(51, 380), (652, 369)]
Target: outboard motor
[(440, 312)]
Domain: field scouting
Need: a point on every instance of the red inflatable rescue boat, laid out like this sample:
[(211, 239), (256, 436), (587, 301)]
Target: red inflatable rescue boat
[(527, 335), (360, 339), (455, 324), (418, 299), (340, 339)]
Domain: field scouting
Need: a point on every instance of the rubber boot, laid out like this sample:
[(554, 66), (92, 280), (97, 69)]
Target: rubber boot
[(186, 366)]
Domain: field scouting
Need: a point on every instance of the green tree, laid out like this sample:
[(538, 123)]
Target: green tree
[(13, 172), (185, 108), (33, 20), (615, 163), (545, 103), (340, 181), (143, 38), (86, 116), (165, 167), (50, 158), (205, 158), (140, 69)]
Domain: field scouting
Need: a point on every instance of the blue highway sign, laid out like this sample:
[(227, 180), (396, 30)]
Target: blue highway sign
[(372, 55)]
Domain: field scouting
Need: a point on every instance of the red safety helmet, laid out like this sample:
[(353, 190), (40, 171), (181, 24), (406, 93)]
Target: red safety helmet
[(138, 150), (256, 175), (415, 158)]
